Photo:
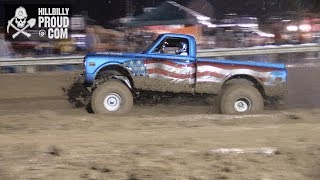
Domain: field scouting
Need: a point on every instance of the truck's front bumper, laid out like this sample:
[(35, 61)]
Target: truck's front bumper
[(86, 79), (81, 78)]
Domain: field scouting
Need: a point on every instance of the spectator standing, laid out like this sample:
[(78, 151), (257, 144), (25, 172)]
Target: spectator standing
[(91, 40), (4, 45), (5, 51)]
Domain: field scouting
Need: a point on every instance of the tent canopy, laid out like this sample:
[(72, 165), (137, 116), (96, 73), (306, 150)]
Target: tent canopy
[(168, 13)]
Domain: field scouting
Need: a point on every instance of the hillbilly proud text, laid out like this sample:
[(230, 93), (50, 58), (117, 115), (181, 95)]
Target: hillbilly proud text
[(55, 20)]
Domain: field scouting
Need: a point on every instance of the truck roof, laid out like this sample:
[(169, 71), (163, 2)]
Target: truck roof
[(177, 35)]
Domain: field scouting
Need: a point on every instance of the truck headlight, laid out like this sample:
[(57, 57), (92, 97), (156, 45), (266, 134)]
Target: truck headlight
[(292, 28), (305, 27)]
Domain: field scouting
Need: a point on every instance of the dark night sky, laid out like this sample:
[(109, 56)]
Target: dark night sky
[(116, 8), (105, 10)]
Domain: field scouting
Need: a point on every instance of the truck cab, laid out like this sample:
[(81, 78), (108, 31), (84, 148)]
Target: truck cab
[(174, 45)]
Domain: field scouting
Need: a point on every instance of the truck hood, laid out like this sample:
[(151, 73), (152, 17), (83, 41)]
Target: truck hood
[(114, 54)]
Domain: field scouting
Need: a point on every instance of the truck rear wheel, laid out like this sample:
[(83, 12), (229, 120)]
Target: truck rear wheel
[(112, 97), (241, 99)]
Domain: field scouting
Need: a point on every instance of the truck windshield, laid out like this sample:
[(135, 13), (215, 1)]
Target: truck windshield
[(148, 47)]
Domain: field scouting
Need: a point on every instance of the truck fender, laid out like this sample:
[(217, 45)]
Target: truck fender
[(124, 80)]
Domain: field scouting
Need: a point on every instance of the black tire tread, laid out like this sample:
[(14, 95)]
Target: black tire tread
[(235, 91), (109, 87)]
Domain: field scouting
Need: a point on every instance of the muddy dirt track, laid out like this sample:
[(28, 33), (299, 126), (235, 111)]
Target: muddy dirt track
[(43, 137)]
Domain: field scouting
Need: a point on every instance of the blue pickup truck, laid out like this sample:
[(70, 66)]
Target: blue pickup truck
[(170, 64)]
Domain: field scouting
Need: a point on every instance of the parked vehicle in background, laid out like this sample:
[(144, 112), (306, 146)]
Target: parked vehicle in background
[(253, 37), (236, 36), (294, 28)]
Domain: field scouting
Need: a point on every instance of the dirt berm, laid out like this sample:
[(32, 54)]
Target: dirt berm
[(45, 84)]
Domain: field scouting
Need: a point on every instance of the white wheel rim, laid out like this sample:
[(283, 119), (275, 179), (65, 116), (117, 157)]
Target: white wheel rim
[(112, 102), (242, 105)]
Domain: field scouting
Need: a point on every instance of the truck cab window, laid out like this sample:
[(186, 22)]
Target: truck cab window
[(174, 46)]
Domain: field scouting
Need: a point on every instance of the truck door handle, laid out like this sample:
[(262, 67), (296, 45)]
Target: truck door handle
[(186, 61)]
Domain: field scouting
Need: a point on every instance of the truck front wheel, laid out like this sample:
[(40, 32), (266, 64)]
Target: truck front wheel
[(241, 99), (112, 97)]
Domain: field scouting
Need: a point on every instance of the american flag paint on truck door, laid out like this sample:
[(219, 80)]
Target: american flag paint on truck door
[(137, 67), (177, 72)]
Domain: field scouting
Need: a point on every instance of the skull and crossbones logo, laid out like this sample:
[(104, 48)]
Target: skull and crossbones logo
[(19, 22)]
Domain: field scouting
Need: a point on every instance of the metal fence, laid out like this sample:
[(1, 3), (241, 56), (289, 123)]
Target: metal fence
[(259, 50), (60, 60), (30, 63)]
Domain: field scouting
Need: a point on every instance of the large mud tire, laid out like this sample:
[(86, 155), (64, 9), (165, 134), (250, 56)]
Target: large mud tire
[(112, 97), (241, 99)]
